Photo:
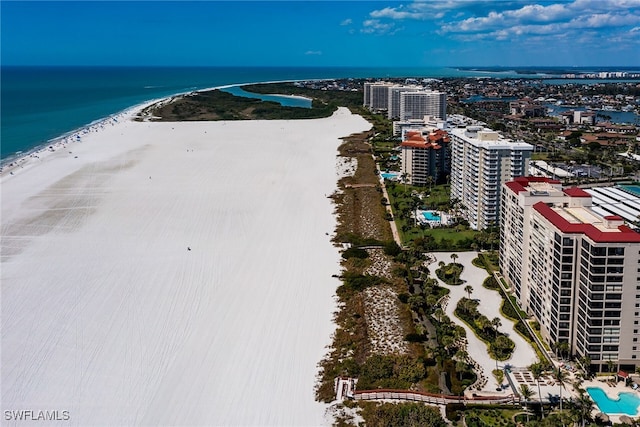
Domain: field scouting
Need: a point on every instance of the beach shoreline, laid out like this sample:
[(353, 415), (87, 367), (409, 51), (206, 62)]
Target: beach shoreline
[(173, 272), (17, 160)]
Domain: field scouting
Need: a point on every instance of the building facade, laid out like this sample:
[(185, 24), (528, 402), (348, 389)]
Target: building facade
[(425, 160), (376, 95), (415, 105), (481, 161), (393, 107), (575, 271)]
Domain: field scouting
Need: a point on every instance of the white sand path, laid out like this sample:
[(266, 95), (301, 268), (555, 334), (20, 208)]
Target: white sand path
[(108, 315), (490, 302)]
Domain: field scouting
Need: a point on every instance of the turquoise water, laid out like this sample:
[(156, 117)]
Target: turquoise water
[(387, 175), (42, 103), (431, 216), (286, 101), (635, 189), (627, 403)]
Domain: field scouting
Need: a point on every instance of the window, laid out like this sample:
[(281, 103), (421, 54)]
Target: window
[(616, 251)]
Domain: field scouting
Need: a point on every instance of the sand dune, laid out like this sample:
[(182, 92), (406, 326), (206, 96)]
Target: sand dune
[(107, 314)]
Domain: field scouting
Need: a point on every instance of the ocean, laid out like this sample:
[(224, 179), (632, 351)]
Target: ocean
[(40, 104)]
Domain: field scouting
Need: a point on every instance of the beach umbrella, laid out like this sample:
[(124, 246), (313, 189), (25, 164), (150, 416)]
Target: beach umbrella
[(626, 420)]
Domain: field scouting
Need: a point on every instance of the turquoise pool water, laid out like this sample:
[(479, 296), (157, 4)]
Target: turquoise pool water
[(635, 189), (388, 175), (431, 216), (627, 403)]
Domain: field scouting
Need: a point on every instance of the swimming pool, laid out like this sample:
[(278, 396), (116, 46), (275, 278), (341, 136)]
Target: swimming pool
[(431, 216), (634, 189), (627, 403), (389, 175)]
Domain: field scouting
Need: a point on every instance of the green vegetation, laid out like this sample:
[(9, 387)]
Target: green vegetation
[(482, 417), (220, 105), (401, 415), (491, 283), (331, 98), (450, 273), (355, 253), (354, 282), (500, 346), (390, 371)]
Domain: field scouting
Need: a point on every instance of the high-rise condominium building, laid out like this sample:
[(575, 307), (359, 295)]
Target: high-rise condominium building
[(376, 95), (425, 159), (415, 105), (393, 107), (576, 271), (481, 161)]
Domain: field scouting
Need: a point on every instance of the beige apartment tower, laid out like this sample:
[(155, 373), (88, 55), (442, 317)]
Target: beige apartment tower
[(575, 271)]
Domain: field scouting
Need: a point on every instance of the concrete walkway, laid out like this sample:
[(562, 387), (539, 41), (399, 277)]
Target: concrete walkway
[(392, 223), (490, 302)]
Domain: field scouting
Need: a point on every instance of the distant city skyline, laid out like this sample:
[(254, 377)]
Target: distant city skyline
[(440, 33)]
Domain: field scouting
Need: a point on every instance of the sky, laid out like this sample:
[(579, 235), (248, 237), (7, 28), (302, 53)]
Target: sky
[(377, 33)]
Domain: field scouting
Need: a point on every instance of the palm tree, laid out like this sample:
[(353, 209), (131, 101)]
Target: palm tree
[(536, 372), (563, 348), (454, 257), (484, 323), (468, 289), (526, 394), (585, 361), (561, 377), (430, 182), (460, 367), (583, 405), (611, 365), (496, 323)]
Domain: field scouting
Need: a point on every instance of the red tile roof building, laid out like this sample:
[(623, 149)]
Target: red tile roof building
[(575, 271), (425, 159)]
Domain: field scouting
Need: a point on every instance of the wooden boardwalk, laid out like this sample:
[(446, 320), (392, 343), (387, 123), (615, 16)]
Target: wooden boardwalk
[(433, 398)]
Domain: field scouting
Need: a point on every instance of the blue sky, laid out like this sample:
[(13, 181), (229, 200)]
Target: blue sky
[(323, 33)]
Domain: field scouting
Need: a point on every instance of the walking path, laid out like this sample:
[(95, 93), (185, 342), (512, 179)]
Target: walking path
[(392, 223), (490, 302)]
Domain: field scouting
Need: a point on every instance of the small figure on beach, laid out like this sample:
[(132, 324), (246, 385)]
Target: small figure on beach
[(188, 248)]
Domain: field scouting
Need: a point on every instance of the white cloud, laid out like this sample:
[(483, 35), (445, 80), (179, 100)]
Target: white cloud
[(551, 19), (347, 21), (396, 13), (313, 52), (374, 26)]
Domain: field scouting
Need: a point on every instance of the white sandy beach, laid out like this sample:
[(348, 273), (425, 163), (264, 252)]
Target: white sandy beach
[(106, 314)]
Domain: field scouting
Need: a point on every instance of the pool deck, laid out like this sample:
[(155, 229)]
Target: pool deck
[(612, 392)]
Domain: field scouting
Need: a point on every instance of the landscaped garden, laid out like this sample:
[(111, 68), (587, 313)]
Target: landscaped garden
[(500, 345)]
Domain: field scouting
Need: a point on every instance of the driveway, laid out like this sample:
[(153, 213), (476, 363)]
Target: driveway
[(490, 302)]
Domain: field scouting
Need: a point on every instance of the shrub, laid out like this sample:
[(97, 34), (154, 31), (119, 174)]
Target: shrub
[(391, 248), (358, 282), (355, 253)]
